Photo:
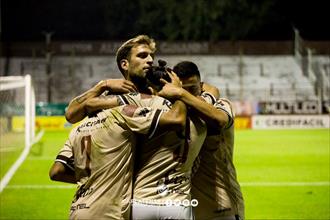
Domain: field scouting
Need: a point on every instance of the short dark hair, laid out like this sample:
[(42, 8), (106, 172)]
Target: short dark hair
[(185, 69), (155, 73)]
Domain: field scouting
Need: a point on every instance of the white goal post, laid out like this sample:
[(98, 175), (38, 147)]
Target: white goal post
[(17, 89), (13, 82)]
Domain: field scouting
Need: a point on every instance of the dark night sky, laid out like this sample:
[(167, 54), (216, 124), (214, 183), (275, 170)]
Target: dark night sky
[(81, 20)]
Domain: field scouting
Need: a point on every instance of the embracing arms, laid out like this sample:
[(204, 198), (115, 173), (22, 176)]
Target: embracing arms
[(212, 116), (77, 109)]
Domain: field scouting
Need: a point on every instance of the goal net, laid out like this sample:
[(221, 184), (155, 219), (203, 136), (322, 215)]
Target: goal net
[(17, 123)]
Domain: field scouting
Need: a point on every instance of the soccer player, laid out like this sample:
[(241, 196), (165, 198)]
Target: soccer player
[(134, 58), (215, 184), (102, 149), (162, 189), (134, 61), (162, 181)]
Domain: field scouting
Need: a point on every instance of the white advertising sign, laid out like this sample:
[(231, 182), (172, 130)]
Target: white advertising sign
[(290, 121)]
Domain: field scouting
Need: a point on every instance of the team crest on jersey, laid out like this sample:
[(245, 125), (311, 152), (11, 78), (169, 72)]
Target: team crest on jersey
[(144, 112)]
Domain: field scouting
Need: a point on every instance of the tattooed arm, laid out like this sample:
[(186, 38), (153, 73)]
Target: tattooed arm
[(77, 111)]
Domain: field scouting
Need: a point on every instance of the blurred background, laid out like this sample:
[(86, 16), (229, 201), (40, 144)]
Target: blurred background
[(271, 58), (253, 51)]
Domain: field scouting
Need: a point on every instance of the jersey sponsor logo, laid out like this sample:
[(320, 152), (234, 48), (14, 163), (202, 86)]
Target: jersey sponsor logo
[(91, 123), (163, 184), (79, 206), (82, 193)]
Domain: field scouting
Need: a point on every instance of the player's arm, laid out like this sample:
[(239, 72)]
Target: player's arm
[(77, 111), (149, 121), (101, 102), (206, 111), (63, 167), (212, 116), (175, 118), (60, 172)]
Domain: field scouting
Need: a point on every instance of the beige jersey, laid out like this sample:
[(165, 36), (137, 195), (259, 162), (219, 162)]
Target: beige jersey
[(163, 164), (215, 184), (65, 156), (102, 149)]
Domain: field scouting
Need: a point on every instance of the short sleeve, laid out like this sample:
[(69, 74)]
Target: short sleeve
[(208, 97), (225, 106), (65, 156), (132, 98), (142, 120)]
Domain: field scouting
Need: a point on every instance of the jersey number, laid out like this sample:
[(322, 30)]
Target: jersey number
[(179, 155), (86, 151)]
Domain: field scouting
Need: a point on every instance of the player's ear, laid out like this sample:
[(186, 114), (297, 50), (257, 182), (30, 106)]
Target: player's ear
[(124, 64)]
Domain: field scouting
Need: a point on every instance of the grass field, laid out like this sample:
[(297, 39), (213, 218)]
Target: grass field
[(284, 175)]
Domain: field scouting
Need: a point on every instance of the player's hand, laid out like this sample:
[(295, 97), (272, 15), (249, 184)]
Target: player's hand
[(173, 89), (169, 91), (175, 80), (119, 86)]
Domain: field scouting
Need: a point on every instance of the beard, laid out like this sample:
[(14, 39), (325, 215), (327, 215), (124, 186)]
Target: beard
[(141, 83)]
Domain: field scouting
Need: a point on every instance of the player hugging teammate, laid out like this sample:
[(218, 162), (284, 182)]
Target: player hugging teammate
[(162, 147)]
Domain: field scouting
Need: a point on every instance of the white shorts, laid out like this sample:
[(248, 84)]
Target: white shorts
[(146, 211)]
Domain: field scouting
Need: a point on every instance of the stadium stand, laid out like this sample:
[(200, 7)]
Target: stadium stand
[(256, 78), (249, 78)]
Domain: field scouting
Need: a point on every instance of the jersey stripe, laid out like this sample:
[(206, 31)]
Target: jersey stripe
[(154, 123), (123, 99), (65, 161)]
